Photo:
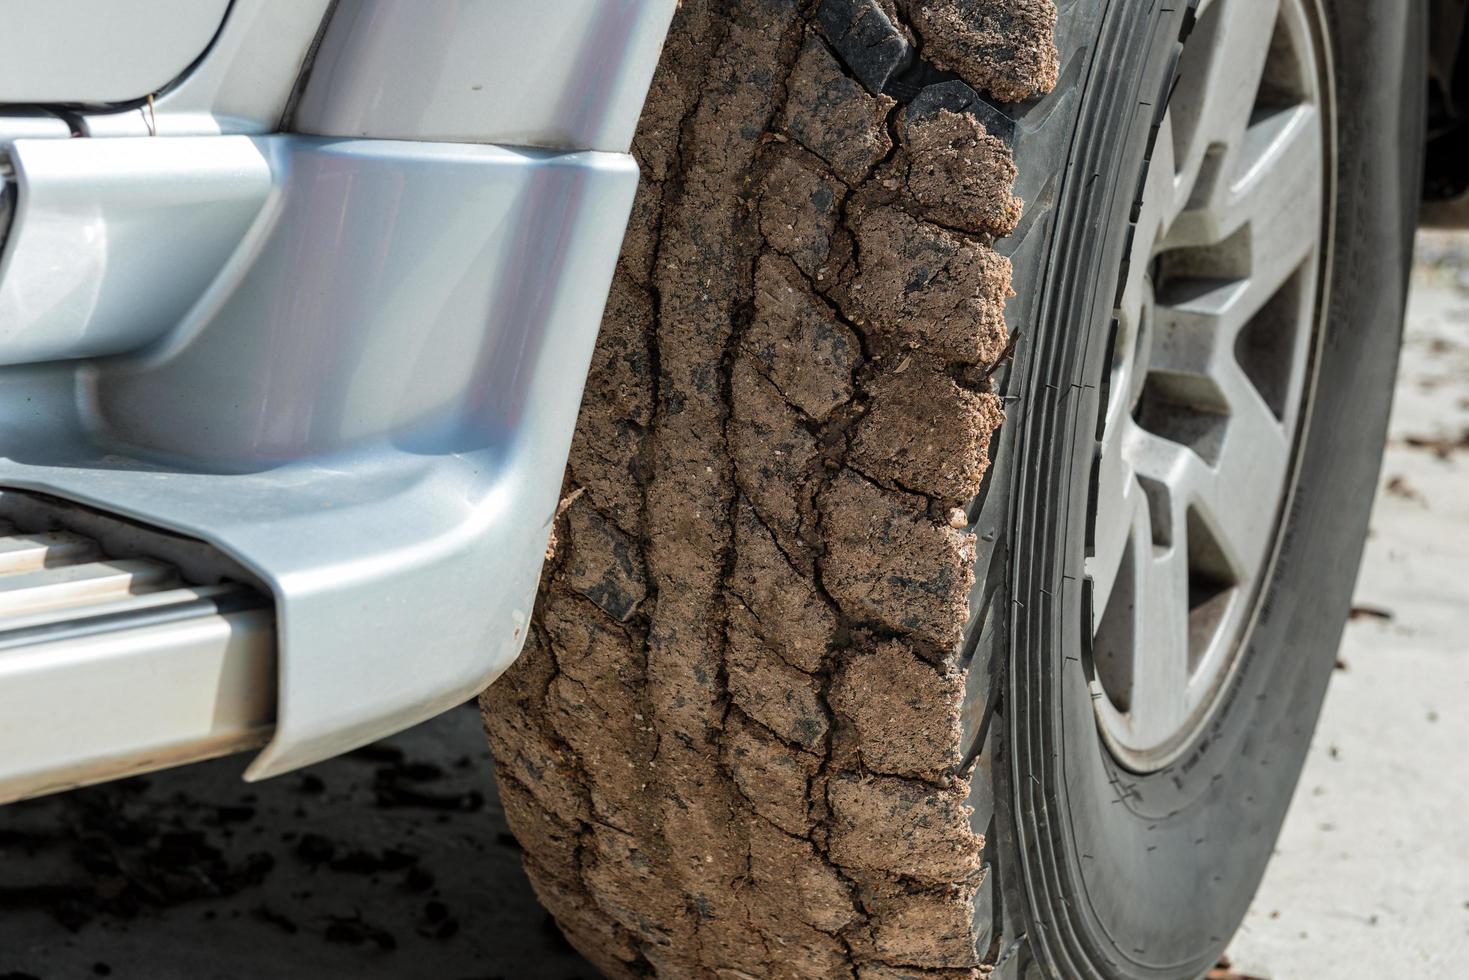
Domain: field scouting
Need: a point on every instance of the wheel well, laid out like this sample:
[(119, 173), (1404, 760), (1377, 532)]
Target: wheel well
[(1446, 177)]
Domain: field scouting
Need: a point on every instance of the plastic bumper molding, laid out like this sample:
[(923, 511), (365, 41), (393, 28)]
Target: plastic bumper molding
[(353, 366)]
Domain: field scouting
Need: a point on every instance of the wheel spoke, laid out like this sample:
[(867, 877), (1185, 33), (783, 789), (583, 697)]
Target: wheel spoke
[(1119, 500), (1252, 468), (1173, 466), (1194, 333), (1220, 77), (1276, 190), (1250, 465), (1161, 653)]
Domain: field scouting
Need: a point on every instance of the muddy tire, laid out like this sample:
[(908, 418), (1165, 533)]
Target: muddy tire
[(800, 694)]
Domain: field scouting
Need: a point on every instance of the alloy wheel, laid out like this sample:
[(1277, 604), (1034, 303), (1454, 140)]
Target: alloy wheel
[(1211, 373)]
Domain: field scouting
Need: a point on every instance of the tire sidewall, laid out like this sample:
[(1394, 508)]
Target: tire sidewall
[(1148, 875)]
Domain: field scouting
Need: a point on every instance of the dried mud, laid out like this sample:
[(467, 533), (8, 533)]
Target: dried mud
[(731, 747), (1006, 47)]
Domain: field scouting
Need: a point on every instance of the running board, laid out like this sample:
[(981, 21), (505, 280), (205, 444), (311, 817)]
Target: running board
[(111, 666)]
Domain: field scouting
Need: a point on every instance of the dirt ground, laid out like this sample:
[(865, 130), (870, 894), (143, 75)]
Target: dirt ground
[(395, 861)]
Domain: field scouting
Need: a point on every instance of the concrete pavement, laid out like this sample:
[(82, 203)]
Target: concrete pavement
[(1371, 874)]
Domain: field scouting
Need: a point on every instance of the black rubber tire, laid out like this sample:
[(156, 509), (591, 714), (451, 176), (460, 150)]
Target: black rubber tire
[(695, 799), (1106, 873)]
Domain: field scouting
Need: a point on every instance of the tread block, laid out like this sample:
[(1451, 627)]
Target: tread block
[(869, 44)]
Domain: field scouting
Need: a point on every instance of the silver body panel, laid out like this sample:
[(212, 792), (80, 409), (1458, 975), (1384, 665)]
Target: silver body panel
[(565, 74), (370, 409), (362, 381), (121, 649), (243, 84), (113, 241), (135, 700), (100, 50)]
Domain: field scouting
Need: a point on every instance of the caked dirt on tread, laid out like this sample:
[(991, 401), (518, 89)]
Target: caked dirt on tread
[(731, 747), (1005, 47)]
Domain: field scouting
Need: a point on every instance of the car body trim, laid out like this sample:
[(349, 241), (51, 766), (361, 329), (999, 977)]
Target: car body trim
[(369, 409), (113, 241), (560, 74)]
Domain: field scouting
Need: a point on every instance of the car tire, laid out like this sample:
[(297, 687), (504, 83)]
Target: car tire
[(813, 684)]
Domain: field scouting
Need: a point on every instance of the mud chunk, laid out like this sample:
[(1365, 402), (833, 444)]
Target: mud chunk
[(628, 885), (621, 368), (798, 212), (675, 88), (588, 648), (959, 173), (586, 927), (812, 890), (955, 96), (525, 753), (774, 451), (829, 114), (799, 344), (683, 659), (903, 827), (740, 94), (769, 690), (771, 775), (882, 972), (617, 407), (925, 433), (700, 809), (905, 711), (605, 454), (640, 241), (605, 565), (1004, 47), (886, 561), (587, 707), (539, 831), (923, 928), (929, 288), (789, 615)]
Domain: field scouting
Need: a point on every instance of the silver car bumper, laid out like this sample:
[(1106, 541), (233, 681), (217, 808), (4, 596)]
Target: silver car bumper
[(352, 366)]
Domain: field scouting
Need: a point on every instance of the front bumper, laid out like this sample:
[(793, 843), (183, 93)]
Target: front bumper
[(367, 400)]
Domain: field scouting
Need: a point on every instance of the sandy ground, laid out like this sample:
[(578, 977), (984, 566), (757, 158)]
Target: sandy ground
[(395, 863)]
